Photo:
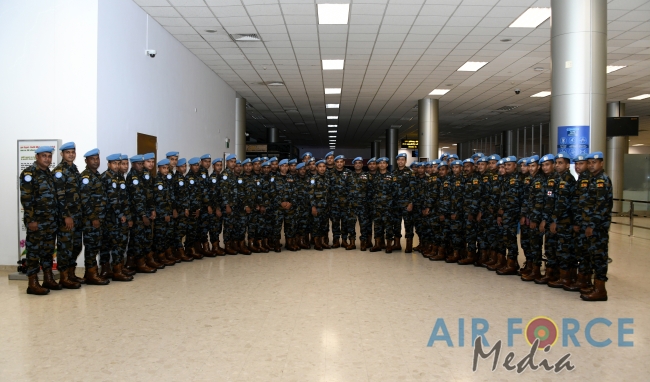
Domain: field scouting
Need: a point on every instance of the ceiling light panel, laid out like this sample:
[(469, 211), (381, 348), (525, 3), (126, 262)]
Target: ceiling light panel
[(333, 13), (439, 92), (532, 18), (613, 68), (333, 64), (640, 97), (541, 95), (332, 117), (332, 90), (472, 66), (332, 105)]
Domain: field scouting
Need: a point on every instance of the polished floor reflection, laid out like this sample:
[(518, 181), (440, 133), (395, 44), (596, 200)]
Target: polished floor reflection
[(334, 315)]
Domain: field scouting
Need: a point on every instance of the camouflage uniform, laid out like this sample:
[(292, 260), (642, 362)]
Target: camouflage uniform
[(38, 198), (319, 186), (596, 210), (68, 242), (230, 198), (246, 188), (123, 232), (93, 207), (533, 210), (141, 235), (456, 226), (525, 231), (491, 206), (256, 217), (285, 191), (483, 235), (196, 199), (164, 204), (383, 187), (267, 197), (550, 244), (179, 192), (431, 202), (339, 207), (562, 216), (420, 222), (303, 209), (112, 226), (510, 208), (215, 223), (403, 196), (358, 196), (471, 207), (581, 242), (445, 208)]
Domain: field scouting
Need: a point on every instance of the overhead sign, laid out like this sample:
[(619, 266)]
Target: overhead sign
[(256, 148), (409, 144), (573, 140)]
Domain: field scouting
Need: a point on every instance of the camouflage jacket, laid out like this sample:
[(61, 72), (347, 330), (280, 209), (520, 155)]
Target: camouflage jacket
[(162, 191), (66, 182), (115, 207), (511, 196), (472, 194), (38, 197), (383, 188), (93, 197), (319, 187), (340, 187), (597, 206), (582, 187), (564, 193)]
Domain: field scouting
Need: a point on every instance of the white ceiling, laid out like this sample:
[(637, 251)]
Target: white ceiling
[(395, 53)]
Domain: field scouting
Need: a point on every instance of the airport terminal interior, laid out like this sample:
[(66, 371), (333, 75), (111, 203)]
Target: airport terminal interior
[(259, 80)]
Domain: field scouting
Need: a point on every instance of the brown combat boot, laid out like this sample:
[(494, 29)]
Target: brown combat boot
[(74, 277), (303, 243), (184, 256), (492, 258), (501, 262), (453, 258), (397, 244), (230, 248), (546, 278), (470, 259), (581, 282), (162, 258), (599, 293), (336, 243), (151, 262), (118, 275), (440, 255), (377, 246), (417, 248), (252, 247), (92, 278), (352, 245), (142, 267), (48, 280), (364, 245), (409, 246), (534, 274), (66, 282), (318, 243), (344, 243), (216, 248), (243, 249), (426, 249), (171, 254), (564, 279), (383, 243), (324, 242), (290, 244), (389, 246), (260, 245), (528, 267), (511, 268), (33, 287)]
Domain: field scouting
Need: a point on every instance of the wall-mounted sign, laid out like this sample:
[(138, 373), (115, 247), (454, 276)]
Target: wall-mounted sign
[(256, 148), (573, 140), (409, 144)]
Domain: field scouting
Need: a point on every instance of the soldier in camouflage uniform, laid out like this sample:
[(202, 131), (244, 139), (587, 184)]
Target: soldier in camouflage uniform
[(471, 208), (38, 198), (482, 224), (267, 207), (581, 244), (196, 200), (206, 215), (93, 209), (456, 221), (420, 219), (372, 171), (228, 194), (126, 229), (215, 219), (509, 214), (69, 235), (441, 206), (531, 216), (429, 211), (402, 205), (542, 209), (319, 186), (383, 187), (285, 208), (146, 180), (255, 219), (180, 222), (596, 218), (489, 204), (524, 235), (359, 194), (560, 223), (246, 188), (143, 213), (301, 201), (340, 179), (164, 205)]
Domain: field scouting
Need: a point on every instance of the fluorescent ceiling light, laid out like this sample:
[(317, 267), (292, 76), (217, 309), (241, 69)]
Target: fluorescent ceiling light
[(439, 92), (445, 147), (532, 18), (332, 125), (471, 66), (333, 64), (455, 144), (541, 94), (613, 68), (332, 90), (638, 144), (333, 136), (332, 117), (640, 97), (332, 105), (331, 131), (333, 13)]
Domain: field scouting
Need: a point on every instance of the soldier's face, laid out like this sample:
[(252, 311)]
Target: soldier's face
[(44, 160), (69, 155), (468, 168), (265, 170), (510, 167), (292, 168), (124, 166), (238, 169), (205, 163), (401, 162), (274, 166), (492, 165), (329, 160), (173, 161), (383, 165), (148, 164), (502, 170), (456, 169), (442, 171), (257, 166), (562, 164), (421, 170), (164, 169), (581, 166), (248, 167), (218, 167), (321, 168), (548, 167), (302, 171), (182, 169), (434, 169), (340, 164), (194, 168), (306, 159), (595, 165), (284, 168), (231, 164), (312, 166), (372, 166), (114, 165), (482, 166), (137, 166), (93, 162), (524, 169), (358, 165), (533, 168)]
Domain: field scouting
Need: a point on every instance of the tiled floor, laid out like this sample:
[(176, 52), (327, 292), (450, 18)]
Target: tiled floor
[(314, 316)]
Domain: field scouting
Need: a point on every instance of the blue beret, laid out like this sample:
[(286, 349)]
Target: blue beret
[(413, 164), (480, 155), (246, 161), (444, 155), (595, 155), (500, 162), (300, 165), (238, 162), (562, 155), (319, 162), (194, 160), (329, 153), (305, 154), (113, 157), (546, 158), (456, 163), (453, 156), (44, 149), (258, 159), (273, 159), (339, 157), (91, 153), (508, 159), (522, 161), (357, 159), (468, 160), (149, 156), (163, 162), (67, 146), (482, 159), (181, 162), (265, 159), (231, 157), (494, 157), (124, 157), (206, 156), (266, 164), (217, 160), (532, 159), (283, 161), (136, 158), (172, 154), (443, 164), (580, 158), (382, 159), (293, 161), (373, 159), (401, 155)]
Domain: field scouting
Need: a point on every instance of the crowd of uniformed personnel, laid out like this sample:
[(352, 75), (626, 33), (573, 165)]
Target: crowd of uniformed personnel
[(465, 212)]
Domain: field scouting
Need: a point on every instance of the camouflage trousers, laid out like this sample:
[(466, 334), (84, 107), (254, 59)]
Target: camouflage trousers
[(68, 245), (163, 237), (302, 220), (524, 239), (359, 212), (114, 237), (92, 241), (320, 224), (565, 247), (434, 222), (550, 248), (422, 226), (536, 244), (400, 213), (581, 246), (179, 226), (40, 245), (383, 221), (495, 236), (141, 238), (471, 234), (286, 217), (453, 232), (254, 224), (204, 222), (215, 226), (192, 234), (235, 225), (599, 253), (340, 216), (509, 223), (267, 222)]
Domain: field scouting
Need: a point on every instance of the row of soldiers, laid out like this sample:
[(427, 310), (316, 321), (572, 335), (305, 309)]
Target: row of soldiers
[(468, 215)]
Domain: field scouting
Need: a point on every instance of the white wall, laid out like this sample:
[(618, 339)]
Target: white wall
[(639, 150), (156, 96), (48, 88)]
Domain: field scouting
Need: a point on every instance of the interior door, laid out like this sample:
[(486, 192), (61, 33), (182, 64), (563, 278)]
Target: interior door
[(148, 144)]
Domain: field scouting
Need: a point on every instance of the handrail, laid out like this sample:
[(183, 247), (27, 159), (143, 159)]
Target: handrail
[(631, 213), (631, 200)]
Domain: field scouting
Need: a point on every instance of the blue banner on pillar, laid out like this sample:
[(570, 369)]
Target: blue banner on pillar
[(573, 140)]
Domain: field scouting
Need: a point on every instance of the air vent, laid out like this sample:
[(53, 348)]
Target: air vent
[(507, 108), (252, 37)]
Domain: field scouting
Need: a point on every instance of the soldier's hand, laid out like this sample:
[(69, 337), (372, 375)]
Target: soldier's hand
[(453, 216), (409, 208), (499, 220), (210, 210), (69, 223), (425, 212), (470, 217), (187, 213), (146, 221), (175, 214), (262, 209), (532, 225), (576, 228), (500, 212), (589, 231), (522, 221), (153, 215), (289, 205), (442, 218), (314, 211), (197, 213), (96, 223), (542, 226), (123, 219), (553, 228), (228, 210), (247, 209), (130, 223), (168, 218), (218, 212), (478, 217), (33, 226)]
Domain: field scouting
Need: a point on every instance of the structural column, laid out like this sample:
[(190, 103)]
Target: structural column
[(509, 143), (391, 146), (240, 128), (428, 126), (578, 78), (617, 147), (272, 135), (375, 149)]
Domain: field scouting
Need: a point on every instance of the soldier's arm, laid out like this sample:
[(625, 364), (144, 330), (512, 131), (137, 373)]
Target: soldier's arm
[(61, 186), (27, 198), (602, 208)]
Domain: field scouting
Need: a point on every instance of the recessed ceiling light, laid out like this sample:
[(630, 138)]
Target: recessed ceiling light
[(275, 83), (506, 40), (332, 125), (541, 94), (471, 66), (532, 18), (638, 144), (250, 37), (332, 136), (439, 92), (539, 69), (332, 90), (332, 105), (331, 131), (445, 147), (333, 64), (640, 97), (395, 126), (613, 68), (211, 30), (455, 144), (333, 13), (332, 117)]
